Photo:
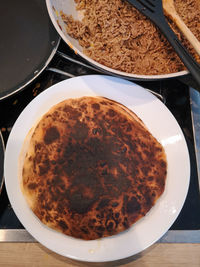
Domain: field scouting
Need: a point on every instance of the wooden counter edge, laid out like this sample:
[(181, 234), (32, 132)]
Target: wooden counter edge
[(160, 254)]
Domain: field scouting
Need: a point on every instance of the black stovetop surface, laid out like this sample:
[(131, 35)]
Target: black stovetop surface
[(175, 96)]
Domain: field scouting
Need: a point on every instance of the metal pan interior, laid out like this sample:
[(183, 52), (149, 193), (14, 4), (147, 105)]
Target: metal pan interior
[(28, 42), (54, 7)]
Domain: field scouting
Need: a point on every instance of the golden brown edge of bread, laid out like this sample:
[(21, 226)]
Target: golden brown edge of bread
[(126, 110)]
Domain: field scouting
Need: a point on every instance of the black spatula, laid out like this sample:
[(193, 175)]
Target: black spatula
[(154, 11)]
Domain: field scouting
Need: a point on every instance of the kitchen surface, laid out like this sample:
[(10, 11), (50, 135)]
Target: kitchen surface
[(180, 245)]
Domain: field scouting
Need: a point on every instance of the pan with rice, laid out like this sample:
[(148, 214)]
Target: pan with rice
[(115, 37)]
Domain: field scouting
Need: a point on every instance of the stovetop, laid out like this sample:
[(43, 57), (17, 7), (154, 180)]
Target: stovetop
[(173, 93)]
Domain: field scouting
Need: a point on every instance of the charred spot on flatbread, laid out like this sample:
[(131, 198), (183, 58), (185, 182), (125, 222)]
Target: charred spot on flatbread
[(92, 168)]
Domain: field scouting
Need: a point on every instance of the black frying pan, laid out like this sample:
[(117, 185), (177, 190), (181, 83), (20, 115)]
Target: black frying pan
[(28, 41)]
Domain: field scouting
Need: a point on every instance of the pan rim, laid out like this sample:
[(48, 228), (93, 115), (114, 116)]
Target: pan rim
[(2, 147), (103, 67), (36, 73)]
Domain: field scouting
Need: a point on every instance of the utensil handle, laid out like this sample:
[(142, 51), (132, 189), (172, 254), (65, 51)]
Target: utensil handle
[(181, 51), (188, 34)]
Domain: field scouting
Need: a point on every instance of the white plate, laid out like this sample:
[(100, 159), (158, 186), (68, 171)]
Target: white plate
[(162, 125)]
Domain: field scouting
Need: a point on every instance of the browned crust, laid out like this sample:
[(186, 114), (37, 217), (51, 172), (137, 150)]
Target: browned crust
[(92, 168)]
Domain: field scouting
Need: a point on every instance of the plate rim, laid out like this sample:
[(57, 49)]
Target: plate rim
[(111, 78)]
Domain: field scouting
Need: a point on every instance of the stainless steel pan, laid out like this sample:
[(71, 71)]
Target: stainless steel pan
[(68, 7), (2, 148)]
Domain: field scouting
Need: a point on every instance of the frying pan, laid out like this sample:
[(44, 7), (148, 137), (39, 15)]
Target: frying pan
[(28, 43), (1, 161), (68, 7)]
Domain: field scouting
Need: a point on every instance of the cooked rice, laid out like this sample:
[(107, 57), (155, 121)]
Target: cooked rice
[(116, 35)]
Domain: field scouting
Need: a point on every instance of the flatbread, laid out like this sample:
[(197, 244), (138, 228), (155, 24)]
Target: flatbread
[(92, 168)]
